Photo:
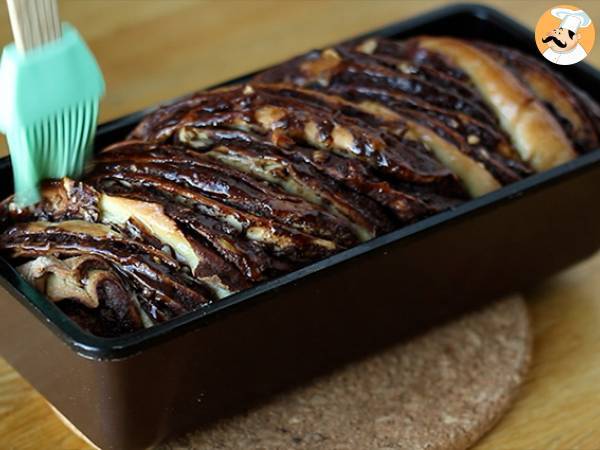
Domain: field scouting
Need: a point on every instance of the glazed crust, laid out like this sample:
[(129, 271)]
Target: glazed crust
[(535, 133), (405, 202), (574, 113), (437, 109), (88, 290), (228, 188)]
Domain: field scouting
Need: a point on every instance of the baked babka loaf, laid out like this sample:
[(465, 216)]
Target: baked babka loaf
[(230, 187)]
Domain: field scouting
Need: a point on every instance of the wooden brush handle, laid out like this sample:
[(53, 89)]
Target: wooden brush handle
[(34, 22)]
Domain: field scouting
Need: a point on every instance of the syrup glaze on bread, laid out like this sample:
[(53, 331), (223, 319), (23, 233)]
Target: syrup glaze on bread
[(234, 186)]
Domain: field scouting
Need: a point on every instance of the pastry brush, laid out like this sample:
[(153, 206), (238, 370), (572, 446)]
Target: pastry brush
[(50, 86)]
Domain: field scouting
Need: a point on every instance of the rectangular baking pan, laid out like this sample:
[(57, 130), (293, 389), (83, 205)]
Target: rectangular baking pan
[(133, 391)]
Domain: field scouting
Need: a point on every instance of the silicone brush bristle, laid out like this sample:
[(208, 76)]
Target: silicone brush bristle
[(53, 148), (50, 100)]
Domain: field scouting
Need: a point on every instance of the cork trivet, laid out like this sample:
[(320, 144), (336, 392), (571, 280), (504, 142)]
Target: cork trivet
[(441, 390)]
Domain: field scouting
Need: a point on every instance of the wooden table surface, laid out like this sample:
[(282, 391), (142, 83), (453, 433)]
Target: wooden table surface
[(155, 50)]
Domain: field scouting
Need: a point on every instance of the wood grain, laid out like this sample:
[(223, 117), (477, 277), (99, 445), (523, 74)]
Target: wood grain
[(155, 50)]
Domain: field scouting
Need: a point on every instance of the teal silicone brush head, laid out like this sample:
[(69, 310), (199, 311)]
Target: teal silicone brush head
[(50, 98)]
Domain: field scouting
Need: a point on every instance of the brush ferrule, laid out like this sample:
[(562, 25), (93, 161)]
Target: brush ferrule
[(47, 80)]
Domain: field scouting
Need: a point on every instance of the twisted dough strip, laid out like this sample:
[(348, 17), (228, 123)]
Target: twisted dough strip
[(535, 133)]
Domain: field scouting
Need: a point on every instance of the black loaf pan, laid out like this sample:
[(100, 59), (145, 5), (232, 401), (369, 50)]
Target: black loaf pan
[(134, 391)]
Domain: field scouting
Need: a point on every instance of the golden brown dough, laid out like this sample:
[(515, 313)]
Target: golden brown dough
[(574, 111), (535, 133), (477, 180), (231, 187)]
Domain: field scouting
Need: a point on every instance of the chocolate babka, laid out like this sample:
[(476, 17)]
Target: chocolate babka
[(233, 186)]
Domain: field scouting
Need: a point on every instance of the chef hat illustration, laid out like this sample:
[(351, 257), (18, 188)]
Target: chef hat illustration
[(572, 20)]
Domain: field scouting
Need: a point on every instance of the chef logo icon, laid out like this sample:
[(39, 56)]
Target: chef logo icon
[(565, 35)]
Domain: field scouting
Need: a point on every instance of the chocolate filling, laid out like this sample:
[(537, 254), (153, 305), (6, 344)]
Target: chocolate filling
[(231, 187)]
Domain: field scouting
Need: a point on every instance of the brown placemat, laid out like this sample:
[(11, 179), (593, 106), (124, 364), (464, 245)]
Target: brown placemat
[(441, 390)]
